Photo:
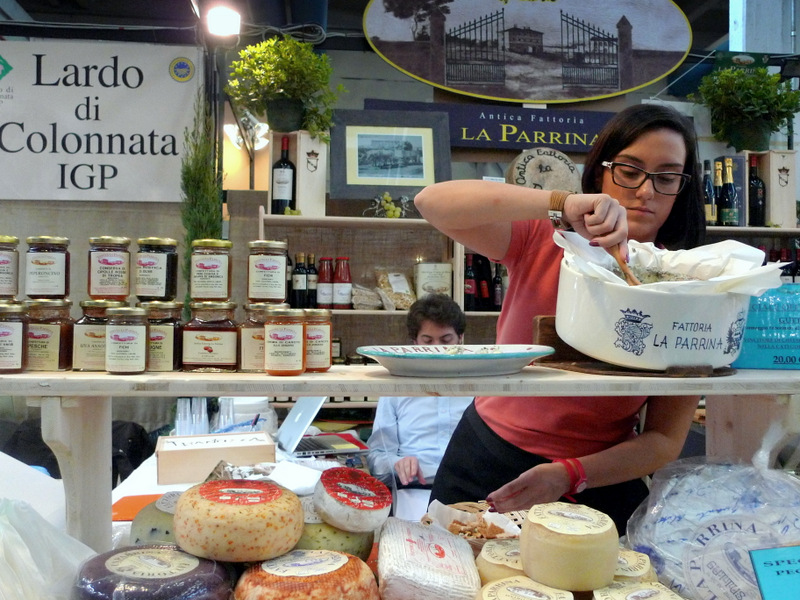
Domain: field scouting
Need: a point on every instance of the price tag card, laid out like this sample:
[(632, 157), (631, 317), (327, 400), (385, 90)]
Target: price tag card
[(777, 571)]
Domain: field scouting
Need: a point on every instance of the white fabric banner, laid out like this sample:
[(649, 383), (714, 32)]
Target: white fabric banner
[(95, 120)]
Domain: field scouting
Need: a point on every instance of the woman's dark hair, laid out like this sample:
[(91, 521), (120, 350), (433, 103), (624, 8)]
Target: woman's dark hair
[(685, 226), (439, 308)]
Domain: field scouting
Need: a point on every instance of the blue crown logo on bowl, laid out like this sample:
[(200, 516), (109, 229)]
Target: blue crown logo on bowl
[(633, 315)]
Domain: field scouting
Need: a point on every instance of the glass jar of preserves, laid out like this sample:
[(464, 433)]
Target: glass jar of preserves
[(266, 271), (9, 267), (156, 270), (318, 340), (109, 268), (284, 342), (210, 270), (251, 336), (89, 335), (165, 337), (50, 330), (13, 338), (126, 340), (211, 338), (47, 267)]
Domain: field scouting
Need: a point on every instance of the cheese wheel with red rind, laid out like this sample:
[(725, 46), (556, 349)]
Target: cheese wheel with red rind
[(352, 500), (238, 520), (499, 559), (308, 575)]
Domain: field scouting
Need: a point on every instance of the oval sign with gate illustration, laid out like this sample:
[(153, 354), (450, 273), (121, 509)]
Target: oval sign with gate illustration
[(531, 52)]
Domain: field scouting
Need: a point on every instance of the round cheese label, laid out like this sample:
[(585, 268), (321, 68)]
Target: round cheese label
[(240, 492), (544, 169), (521, 588), (635, 591), (572, 519), (632, 564), (503, 552), (167, 502), (310, 514), (305, 563), (354, 488), (151, 563)]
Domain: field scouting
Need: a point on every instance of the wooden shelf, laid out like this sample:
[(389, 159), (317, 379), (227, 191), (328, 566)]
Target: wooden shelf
[(338, 222), (737, 232)]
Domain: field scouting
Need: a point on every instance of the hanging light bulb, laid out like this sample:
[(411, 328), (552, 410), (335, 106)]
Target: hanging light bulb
[(223, 21)]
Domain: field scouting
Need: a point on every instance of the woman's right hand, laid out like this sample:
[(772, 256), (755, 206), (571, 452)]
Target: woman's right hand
[(599, 218)]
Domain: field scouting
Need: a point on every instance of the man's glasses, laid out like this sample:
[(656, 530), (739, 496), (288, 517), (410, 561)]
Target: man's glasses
[(630, 177)]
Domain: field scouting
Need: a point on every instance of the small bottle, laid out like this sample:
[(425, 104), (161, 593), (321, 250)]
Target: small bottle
[(210, 270), (211, 338), (484, 295), (285, 342), (756, 196), (718, 187), (709, 197), (156, 270), (50, 331), (729, 199), (342, 284), (299, 297), (126, 341), (14, 336), (266, 271), (9, 267), (289, 269), (325, 283), (497, 288), (284, 181), (109, 268), (470, 287), (336, 348), (89, 335), (47, 267), (165, 336), (318, 340), (312, 280)]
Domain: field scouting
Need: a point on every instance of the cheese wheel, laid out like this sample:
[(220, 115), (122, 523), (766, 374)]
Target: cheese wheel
[(308, 575), (352, 500), (319, 535), (499, 559), (519, 587), (153, 523), (634, 566), (636, 590), (569, 546), (238, 520), (151, 572)]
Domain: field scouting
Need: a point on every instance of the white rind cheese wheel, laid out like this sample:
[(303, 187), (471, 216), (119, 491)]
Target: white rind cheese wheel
[(151, 572), (319, 535), (499, 559), (569, 546), (238, 520), (308, 575), (153, 523), (352, 500), (633, 590), (634, 566), (519, 587)]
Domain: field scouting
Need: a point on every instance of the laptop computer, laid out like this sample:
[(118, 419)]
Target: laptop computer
[(290, 436)]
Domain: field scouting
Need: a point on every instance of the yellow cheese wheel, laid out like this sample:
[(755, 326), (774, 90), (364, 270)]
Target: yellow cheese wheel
[(636, 590), (519, 587), (499, 559), (319, 535), (569, 546), (634, 566), (238, 520), (153, 523)]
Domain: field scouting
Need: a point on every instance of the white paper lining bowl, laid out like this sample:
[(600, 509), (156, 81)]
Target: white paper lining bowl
[(660, 325)]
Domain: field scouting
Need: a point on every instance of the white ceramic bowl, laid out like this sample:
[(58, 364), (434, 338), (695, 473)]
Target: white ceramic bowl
[(643, 328)]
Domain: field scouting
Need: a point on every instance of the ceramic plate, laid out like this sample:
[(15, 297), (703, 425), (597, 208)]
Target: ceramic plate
[(455, 361)]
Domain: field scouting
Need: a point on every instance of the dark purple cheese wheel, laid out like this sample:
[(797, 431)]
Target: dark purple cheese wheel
[(152, 572)]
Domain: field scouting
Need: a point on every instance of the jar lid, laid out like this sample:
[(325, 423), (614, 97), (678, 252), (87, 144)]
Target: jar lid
[(48, 239), (160, 305), (48, 302), (287, 312), (12, 308), (317, 313), (156, 241), (127, 311), (265, 306), (274, 244), (9, 239), (110, 239), (102, 303), (342, 258), (212, 305), (212, 243)]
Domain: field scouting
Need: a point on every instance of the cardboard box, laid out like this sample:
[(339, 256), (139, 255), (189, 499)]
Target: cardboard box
[(777, 169), (310, 158), (191, 458)]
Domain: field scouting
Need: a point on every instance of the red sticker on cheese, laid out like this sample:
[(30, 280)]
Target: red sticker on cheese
[(353, 487), (240, 492)]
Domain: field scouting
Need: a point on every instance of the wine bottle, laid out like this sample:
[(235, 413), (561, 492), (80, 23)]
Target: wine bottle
[(718, 187), (470, 287), (729, 199), (756, 196), (284, 181), (709, 196), (497, 288), (312, 278), (289, 269), (299, 297)]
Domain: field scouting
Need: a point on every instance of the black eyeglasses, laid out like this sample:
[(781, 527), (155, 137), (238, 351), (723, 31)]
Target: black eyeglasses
[(631, 177)]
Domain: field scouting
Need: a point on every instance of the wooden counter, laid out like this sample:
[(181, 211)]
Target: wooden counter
[(76, 410)]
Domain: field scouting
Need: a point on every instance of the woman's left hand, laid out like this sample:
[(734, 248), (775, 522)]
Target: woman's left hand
[(543, 483)]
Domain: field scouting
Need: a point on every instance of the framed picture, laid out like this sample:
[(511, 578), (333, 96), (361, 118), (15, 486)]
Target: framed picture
[(376, 151)]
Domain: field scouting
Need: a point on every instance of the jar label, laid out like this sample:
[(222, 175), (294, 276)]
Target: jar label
[(318, 346), (284, 347), (209, 347), (44, 346), (162, 348), (109, 273), (9, 278), (89, 348), (266, 277), (45, 274), (11, 342), (151, 274), (126, 348), (252, 355), (209, 276)]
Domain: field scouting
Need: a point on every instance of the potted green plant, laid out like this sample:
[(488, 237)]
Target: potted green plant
[(747, 105), (280, 77)]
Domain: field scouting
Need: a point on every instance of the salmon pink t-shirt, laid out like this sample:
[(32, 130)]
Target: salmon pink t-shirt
[(553, 427)]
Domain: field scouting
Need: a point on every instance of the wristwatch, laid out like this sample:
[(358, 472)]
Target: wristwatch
[(556, 210)]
